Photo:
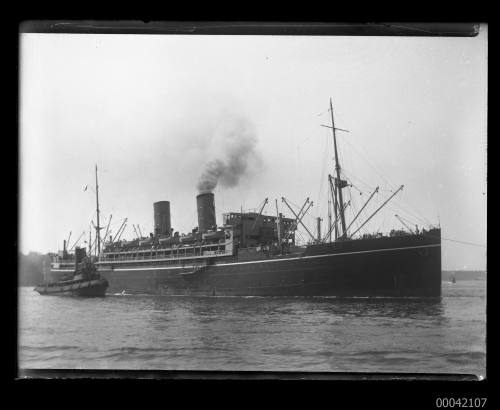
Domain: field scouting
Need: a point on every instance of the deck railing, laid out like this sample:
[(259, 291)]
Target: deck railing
[(179, 254)]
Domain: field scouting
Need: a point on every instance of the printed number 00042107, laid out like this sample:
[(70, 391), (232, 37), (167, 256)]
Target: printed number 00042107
[(463, 402)]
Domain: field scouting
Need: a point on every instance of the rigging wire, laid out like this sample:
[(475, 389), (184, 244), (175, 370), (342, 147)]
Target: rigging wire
[(397, 209), (374, 204), (463, 242), (293, 203), (355, 211), (301, 237), (303, 216), (422, 219), (352, 208), (355, 187), (382, 225), (407, 220), (415, 210), (321, 181), (418, 216), (352, 176), (389, 183), (300, 177), (369, 226), (372, 165)]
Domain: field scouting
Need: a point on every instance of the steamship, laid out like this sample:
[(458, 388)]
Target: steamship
[(254, 254)]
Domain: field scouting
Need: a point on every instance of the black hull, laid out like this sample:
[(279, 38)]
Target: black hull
[(90, 288), (408, 266)]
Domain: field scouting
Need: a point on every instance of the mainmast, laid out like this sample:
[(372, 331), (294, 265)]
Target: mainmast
[(338, 181), (97, 206)]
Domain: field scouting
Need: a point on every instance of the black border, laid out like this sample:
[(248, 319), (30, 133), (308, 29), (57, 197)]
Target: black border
[(251, 28), (389, 390)]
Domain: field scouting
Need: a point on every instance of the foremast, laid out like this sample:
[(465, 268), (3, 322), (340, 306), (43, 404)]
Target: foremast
[(98, 227)]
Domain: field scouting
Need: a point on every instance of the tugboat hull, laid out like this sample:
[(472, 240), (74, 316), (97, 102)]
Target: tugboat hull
[(86, 288)]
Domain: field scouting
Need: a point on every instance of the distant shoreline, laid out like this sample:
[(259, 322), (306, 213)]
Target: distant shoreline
[(464, 274)]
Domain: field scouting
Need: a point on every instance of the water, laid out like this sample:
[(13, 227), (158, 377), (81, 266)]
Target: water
[(255, 333)]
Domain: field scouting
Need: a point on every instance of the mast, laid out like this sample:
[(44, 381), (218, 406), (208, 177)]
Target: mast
[(338, 182), (329, 219), (335, 205), (97, 206)]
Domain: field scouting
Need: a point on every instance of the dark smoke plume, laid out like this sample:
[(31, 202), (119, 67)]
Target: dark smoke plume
[(238, 141)]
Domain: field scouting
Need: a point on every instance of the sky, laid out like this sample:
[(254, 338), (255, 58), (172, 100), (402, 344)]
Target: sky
[(155, 112)]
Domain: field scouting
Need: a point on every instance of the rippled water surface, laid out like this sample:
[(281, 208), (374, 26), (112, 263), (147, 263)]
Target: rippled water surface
[(237, 333)]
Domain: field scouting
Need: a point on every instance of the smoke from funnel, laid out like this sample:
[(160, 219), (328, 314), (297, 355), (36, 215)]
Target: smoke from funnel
[(238, 141)]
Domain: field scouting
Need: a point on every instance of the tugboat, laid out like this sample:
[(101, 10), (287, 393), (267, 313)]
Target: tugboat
[(85, 282)]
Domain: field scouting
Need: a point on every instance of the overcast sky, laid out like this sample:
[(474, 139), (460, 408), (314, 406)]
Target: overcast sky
[(153, 111)]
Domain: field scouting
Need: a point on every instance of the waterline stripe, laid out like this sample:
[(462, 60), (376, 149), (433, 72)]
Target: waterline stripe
[(329, 255)]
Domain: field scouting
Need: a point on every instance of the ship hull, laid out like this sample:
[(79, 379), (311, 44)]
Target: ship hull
[(408, 266)]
